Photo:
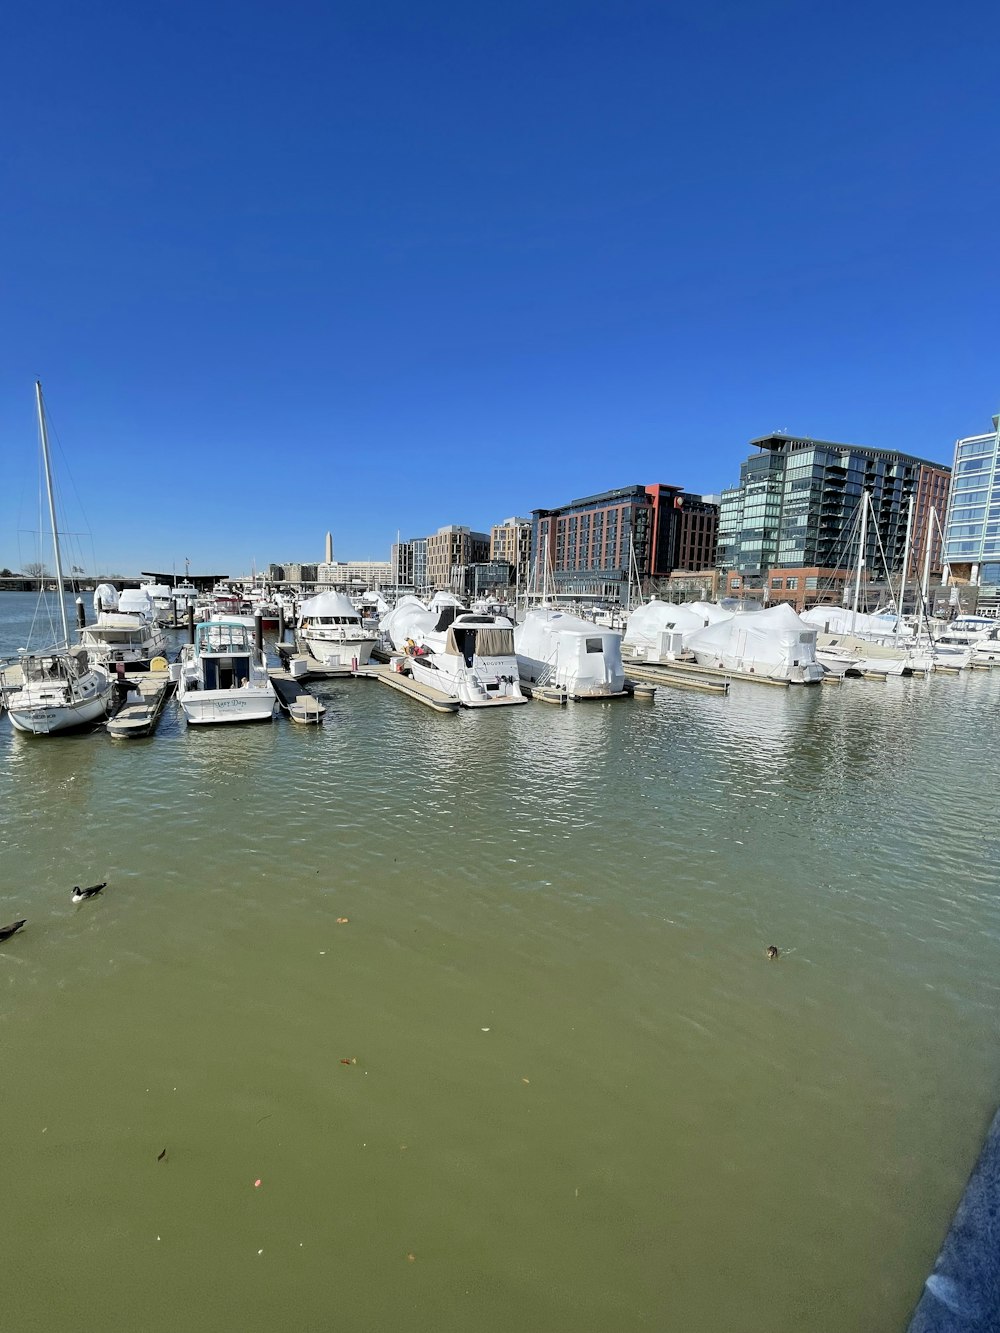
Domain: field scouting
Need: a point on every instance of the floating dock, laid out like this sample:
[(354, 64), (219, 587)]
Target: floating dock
[(300, 666), (138, 716), (426, 694), (661, 674), (294, 699)]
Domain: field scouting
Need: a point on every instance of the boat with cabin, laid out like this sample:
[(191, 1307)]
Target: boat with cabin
[(222, 676), (125, 631), (466, 656), (574, 655), (332, 629)]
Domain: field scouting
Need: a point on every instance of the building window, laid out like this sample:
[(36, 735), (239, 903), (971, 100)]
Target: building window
[(776, 583), (792, 585)]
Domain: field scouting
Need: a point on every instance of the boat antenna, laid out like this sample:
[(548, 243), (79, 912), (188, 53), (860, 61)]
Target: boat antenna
[(52, 509)]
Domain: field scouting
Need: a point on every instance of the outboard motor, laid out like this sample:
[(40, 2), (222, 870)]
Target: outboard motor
[(105, 598)]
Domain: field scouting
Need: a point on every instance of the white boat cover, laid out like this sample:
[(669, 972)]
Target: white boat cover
[(442, 599), (105, 598), (842, 620), (409, 619), (774, 642), (554, 648), (713, 612), (328, 604), (652, 619), (136, 602)]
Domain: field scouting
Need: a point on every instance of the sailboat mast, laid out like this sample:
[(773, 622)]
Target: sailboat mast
[(862, 539), (52, 509), (906, 564)]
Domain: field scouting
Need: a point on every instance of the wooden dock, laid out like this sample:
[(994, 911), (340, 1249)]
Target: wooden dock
[(294, 699), (660, 674), (425, 694), (288, 655), (138, 717)]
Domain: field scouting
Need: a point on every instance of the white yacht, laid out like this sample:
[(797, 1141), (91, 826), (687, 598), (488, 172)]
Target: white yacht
[(125, 630), (468, 657), (332, 628), (222, 676), (975, 637)]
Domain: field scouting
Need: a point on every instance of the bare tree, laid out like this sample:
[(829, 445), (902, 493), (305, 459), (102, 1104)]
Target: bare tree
[(35, 570)]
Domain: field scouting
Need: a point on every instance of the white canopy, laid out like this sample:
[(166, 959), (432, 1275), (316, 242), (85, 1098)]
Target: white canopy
[(328, 604)]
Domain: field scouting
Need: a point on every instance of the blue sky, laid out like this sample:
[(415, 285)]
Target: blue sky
[(284, 268)]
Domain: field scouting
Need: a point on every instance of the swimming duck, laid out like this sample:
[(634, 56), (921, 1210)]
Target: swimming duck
[(12, 929), (772, 951), (80, 894)]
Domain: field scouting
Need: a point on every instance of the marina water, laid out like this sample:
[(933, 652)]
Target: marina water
[(583, 1098)]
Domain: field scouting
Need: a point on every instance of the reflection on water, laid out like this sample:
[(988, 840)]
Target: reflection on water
[(583, 1098)]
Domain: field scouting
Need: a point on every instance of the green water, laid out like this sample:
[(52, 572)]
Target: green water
[(658, 1128)]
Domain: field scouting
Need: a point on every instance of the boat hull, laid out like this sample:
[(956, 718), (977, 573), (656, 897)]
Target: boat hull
[(340, 652), (39, 718), (205, 707), (470, 691)]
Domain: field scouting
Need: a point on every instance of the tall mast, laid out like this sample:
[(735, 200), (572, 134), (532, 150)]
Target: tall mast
[(862, 539), (906, 564), (52, 509)]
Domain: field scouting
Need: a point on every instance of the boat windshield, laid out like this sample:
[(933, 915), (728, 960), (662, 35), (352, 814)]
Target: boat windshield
[(215, 637)]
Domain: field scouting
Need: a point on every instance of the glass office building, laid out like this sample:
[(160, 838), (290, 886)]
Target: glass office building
[(972, 529), (798, 503)]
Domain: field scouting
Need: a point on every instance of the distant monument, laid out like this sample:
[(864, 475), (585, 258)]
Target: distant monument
[(329, 548)]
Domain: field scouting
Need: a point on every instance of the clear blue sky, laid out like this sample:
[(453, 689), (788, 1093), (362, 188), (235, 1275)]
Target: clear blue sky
[(368, 266)]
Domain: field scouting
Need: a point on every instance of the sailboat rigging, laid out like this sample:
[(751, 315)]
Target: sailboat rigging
[(56, 688)]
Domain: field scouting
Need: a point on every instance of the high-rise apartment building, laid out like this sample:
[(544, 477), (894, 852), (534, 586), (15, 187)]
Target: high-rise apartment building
[(972, 525), (797, 508)]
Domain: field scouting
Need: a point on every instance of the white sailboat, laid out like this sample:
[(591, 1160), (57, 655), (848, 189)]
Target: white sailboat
[(57, 688)]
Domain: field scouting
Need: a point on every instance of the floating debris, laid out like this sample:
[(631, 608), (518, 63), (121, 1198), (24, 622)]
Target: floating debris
[(257, 1183), (351, 1061), (343, 920), (162, 1155)]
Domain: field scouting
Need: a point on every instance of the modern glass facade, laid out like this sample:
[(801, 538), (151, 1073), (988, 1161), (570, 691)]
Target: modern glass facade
[(972, 527), (798, 502)]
